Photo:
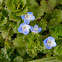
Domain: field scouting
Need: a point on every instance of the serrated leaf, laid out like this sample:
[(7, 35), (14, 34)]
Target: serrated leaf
[(14, 5), (35, 8), (56, 31), (45, 6), (33, 44), (7, 32), (12, 16), (52, 3), (43, 24), (18, 42)]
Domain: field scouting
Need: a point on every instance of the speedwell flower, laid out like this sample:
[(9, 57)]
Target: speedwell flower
[(28, 17), (49, 42), (24, 28), (35, 29)]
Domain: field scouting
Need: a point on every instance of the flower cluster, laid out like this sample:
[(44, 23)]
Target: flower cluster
[(24, 28)]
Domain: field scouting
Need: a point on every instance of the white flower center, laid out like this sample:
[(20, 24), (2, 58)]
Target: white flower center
[(28, 16), (35, 29), (24, 27), (50, 42)]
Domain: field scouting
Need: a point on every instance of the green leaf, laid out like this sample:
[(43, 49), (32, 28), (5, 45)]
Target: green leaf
[(35, 8), (59, 2), (18, 42), (56, 18), (1, 1), (16, 9), (7, 32), (43, 24), (15, 5), (2, 4), (3, 19), (56, 31), (7, 53), (45, 6), (33, 44), (18, 59), (51, 59), (59, 57), (58, 50), (21, 51), (1, 41), (13, 17), (52, 3)]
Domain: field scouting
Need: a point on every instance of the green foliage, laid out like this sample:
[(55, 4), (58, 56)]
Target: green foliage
[(58, 52), (2, 4), (59, 2), (18, 59), (16, 9), (56, 32), (3, 19), (7, 53), (1, 41), (52, 59), (52, 3), (35, 8), (21, 51), (43, 24), (33, 44), (19, 40), (5, 31), (45, 6), (56, 18), (16, 47), (14, 5)]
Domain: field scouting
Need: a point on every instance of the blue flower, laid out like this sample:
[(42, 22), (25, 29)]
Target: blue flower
[(49, 42), (28, 17), (24, 28), (35, 29)]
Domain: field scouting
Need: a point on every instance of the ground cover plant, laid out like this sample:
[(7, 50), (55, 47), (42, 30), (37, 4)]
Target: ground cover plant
[(30, 30)]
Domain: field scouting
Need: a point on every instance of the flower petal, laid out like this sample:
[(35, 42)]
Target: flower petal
[(39, 30), (48, 47), (22, 24), (30, 13), (26, 32), (20, 29), (45, 41), (26, 21), (51, 38), (36, 26), (23, 17), (54, 44), (31, 28), (32, 18)]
